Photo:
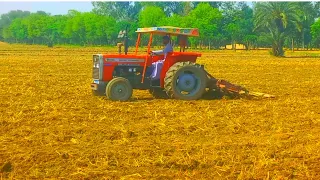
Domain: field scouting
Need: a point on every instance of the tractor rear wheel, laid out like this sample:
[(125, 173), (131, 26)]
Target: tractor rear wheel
[(185, 81), (119, 89), (158, 93)]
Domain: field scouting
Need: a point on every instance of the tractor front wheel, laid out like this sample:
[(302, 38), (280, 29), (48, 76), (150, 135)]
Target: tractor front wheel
[(119, 89), (185, 81)]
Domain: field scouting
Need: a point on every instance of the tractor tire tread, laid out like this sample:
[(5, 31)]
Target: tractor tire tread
[(116, 80), (171, 73)]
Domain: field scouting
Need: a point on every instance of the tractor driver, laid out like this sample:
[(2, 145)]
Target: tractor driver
[(157, 66)]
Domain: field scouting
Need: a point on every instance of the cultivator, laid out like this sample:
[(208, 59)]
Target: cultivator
[(219, 88)]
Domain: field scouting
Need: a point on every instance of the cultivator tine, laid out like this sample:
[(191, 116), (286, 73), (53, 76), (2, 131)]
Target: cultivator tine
[(223, 84), (263, 95)]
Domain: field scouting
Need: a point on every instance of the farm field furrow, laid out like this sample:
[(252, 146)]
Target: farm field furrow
[(51, 126)]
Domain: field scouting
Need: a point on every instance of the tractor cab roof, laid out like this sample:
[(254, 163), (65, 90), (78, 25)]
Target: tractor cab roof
[(169, 30)]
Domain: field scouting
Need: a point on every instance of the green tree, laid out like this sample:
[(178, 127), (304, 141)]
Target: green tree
[(151, 16), (307, 13), (90, 27), (317, 8), (6, 20), (207, 19), (75, 30), (175, 20), (125, 10), (276, 17), (237, 24), (78, 29), (36, 26), (169, 8), (60, 25), (315, 31), (219, 23), (18, 30), (105, 29), (248, 37), (186, 8)]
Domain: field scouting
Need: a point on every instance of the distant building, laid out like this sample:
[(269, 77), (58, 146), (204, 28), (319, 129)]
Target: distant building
[(238, 46)]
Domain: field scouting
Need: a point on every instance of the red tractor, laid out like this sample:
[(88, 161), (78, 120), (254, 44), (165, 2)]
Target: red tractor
[(116, 75)]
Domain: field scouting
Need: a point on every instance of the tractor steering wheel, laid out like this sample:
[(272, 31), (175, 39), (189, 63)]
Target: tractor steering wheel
[(152, 53)]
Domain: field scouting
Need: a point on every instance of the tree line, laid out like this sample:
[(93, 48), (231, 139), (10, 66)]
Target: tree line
[(266, 24)]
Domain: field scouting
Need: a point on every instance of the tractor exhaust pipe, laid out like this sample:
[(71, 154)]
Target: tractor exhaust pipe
[(126, 45)]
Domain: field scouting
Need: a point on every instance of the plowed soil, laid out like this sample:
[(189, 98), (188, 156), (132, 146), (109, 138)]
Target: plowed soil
[(51, 126)]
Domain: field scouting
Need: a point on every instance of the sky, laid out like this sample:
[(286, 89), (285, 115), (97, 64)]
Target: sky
[(54, 7)]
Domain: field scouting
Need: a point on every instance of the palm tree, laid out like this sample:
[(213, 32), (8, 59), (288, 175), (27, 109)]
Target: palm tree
[(308, 13), (276, 17)]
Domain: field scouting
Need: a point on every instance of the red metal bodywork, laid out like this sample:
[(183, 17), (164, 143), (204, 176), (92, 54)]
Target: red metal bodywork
[(110, 61), (172, 58), (108, 66)]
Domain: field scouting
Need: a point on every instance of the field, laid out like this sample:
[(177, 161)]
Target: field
[(52, 127)]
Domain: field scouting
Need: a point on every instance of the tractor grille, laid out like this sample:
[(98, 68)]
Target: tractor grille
[(95, 73), (96, 67)]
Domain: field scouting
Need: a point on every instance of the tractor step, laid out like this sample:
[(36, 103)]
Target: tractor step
[(155, 83)]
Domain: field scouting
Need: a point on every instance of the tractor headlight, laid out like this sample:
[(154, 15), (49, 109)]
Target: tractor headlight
[(96, 65)]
